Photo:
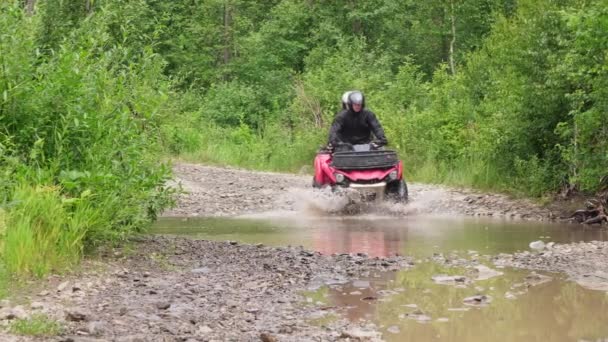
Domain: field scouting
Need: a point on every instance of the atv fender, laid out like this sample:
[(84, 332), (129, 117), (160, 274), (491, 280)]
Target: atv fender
[(323, 174)]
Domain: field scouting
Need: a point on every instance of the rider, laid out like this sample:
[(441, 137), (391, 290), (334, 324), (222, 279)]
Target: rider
[(354, 124)]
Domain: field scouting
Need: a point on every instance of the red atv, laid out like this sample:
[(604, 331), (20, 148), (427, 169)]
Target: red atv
[(377, 172)]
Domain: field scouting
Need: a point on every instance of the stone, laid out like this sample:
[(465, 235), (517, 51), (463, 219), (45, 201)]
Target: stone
[(61, 287), (537, 245), (76, 315), (393, 329), (266, 337), (163, 305)]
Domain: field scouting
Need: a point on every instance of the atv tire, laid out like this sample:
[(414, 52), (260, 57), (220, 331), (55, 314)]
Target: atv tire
[(397, 191), (315, 184)]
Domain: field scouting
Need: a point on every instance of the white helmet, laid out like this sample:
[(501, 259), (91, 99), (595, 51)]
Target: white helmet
[(345, 99)]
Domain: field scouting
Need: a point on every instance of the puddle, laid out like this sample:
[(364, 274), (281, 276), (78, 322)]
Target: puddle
[(433, 302), (409, 306)]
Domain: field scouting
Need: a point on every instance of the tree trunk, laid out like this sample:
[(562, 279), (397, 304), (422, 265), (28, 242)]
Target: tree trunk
[(227, 55), (453, 41), (356, 24), (30, 6)]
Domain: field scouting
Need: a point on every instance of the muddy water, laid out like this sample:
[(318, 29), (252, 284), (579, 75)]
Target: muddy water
[(380, 236), (409, 305)]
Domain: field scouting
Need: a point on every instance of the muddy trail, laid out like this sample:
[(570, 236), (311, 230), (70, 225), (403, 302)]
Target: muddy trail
[(168, 288), (213, 191)]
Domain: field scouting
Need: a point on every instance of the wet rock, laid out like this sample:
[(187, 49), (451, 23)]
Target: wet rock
[(449, 280), (537, 245), (478, 300), (484, 272), (534, 279), (393, 329), (358, 334), (361, 284)]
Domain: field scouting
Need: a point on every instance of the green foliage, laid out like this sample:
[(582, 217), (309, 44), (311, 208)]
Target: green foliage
[(37, 325), (79, 145)]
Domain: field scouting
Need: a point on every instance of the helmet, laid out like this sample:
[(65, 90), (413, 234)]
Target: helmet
[(355, 97), (345, 99)]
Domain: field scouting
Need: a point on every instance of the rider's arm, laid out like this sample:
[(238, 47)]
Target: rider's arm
[(336, 127), (376, 128)]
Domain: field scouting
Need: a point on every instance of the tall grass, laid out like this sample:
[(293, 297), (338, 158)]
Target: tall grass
[(46, 230)]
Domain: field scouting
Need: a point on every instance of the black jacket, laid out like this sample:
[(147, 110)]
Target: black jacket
[(356, 128)]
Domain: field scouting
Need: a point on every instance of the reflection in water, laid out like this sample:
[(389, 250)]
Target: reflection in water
[(360, 238), (555, 311)]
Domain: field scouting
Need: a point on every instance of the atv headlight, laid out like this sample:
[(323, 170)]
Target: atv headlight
[(392, 175), (339, 177)]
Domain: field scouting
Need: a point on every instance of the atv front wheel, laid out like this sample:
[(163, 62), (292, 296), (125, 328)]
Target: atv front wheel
[(315, 184), (397, 191)]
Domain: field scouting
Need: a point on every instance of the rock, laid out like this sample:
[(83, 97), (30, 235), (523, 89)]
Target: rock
[(266, 337), (96, 328), (204, 330), (423, 318), (16, 312), (478, 300), (163, 305), (449, 280), (202, 270), (484, 272), (62, 286), (393, 329), (534, 279), (358, 334), (361, 284), (537, 245), (76, 315), (36, 305)]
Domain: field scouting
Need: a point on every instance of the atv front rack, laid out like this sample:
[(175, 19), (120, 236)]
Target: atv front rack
[(381, 159)]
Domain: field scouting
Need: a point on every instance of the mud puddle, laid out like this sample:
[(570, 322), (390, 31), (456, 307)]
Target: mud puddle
[(411, 306), (454, 293)]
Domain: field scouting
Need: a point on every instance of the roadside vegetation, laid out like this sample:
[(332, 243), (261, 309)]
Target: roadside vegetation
[(505, 95)]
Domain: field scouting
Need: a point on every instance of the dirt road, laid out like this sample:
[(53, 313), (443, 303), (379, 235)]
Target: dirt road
[(213, 191)]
